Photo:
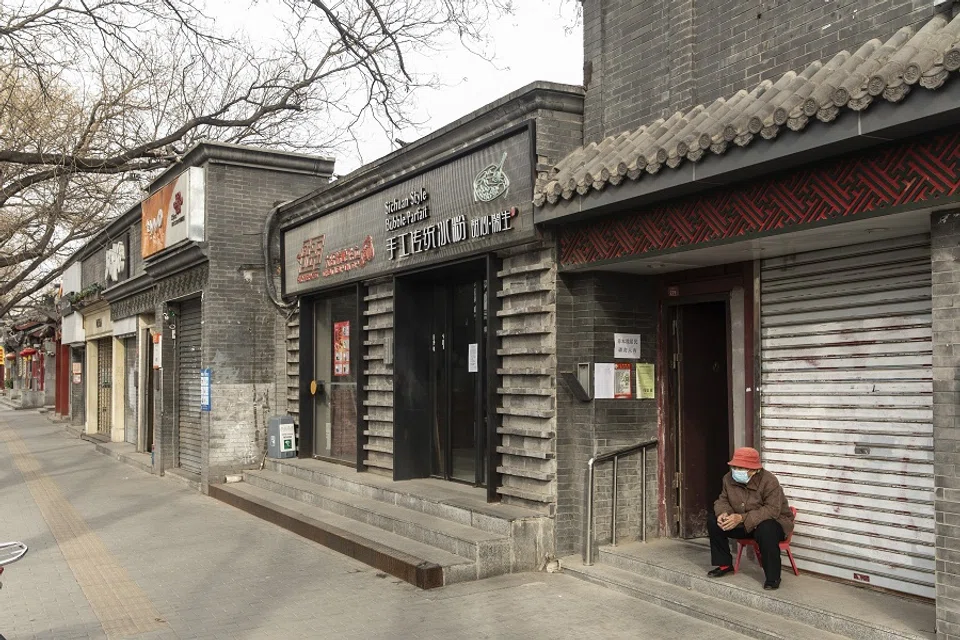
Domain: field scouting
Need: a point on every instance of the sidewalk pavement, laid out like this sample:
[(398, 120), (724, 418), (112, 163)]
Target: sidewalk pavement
[(116, 552)]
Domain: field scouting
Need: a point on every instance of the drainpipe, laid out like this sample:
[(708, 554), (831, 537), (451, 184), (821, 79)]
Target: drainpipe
[(268, 227)]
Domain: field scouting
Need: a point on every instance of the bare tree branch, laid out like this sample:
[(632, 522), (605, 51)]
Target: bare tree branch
[(97, 96)]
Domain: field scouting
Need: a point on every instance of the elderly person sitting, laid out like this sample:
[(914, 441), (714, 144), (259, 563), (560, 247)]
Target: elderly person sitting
[(751, 505)]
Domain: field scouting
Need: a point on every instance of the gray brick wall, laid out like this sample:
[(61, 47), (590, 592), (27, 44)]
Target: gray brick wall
[(240, 324), (590, 309), (645, 60), (135, 259), (92, 269), (945, 246)]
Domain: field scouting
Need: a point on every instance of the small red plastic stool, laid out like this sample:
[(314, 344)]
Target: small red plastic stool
[(784, 546)]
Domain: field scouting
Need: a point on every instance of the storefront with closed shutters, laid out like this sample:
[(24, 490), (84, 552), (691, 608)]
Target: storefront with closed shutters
[(846, 367), (188, 347), (798, 295), (172, 338), (206, 333)]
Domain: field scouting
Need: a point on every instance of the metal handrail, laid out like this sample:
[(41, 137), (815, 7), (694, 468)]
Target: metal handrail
[(591, 466)]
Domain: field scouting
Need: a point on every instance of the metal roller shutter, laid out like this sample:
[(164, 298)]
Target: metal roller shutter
[(130, 369), (847, 408), (104, 385), (188, 385)]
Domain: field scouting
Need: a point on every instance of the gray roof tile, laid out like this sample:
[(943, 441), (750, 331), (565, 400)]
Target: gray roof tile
[(877, 70)]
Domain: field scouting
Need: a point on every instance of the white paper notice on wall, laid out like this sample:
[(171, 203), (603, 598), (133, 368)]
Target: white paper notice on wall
[(603, 377), (626, 346), (473, 359)]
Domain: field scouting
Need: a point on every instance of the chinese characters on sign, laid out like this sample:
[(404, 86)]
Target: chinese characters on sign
[(474, 202), (447, 232), (626, 346), (309, 259), (341, 348), (348, 259), (116, 261), (205, 389)]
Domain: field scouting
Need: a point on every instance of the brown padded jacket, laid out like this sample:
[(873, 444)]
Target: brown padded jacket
[(760, 499)]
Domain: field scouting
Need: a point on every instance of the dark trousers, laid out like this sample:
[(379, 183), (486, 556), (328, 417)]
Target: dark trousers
[(768, 534)]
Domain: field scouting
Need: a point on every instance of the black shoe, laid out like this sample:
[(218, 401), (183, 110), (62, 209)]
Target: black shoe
[(770, 585), (719, 572)]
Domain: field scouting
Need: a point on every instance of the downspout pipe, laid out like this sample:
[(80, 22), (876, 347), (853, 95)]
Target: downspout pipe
[(269, 226)]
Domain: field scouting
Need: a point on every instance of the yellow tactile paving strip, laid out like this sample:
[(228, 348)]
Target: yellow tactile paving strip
[(118, 602)]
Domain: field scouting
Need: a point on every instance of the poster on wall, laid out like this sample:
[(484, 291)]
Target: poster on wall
[(205, 390), (621, 380), (645, 381), (341, 348), (603, 380)]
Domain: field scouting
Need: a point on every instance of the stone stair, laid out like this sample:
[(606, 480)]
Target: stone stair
[(735, 617), (672, 574), (426, 532)]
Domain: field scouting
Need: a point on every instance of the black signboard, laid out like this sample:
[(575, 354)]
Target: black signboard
[(472, 204)]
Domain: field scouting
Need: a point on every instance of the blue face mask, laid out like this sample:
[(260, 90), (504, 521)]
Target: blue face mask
[(740, 475)]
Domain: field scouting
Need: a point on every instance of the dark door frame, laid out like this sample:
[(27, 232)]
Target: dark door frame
[(690, 287), (145, 445), (675, 386), (307, 366), (489, 363), (443, 318)]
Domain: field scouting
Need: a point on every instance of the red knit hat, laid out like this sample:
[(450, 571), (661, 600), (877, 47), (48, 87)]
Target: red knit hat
[(746, 458)]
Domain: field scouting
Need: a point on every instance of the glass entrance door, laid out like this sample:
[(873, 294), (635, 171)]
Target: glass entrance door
[(335, 423), (457, 374)]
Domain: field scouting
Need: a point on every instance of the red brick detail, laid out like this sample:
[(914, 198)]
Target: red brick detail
[(888, 176)]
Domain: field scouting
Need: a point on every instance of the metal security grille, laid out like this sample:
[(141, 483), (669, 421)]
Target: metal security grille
[(188, 385), (104, 385), (847, 411), (130, 372)]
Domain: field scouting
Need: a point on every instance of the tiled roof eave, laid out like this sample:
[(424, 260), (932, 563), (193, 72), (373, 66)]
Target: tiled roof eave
[(876, 72)]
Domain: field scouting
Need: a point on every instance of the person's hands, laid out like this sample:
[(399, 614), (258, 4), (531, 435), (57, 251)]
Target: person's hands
[(729, 522)]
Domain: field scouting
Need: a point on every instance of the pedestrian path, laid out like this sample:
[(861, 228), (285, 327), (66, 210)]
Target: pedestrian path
[(116, 552)]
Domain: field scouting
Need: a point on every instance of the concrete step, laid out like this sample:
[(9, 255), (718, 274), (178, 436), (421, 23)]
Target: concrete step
[(846, 611), (421, 565), (450, 501), (490, 550), (722, 613)]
